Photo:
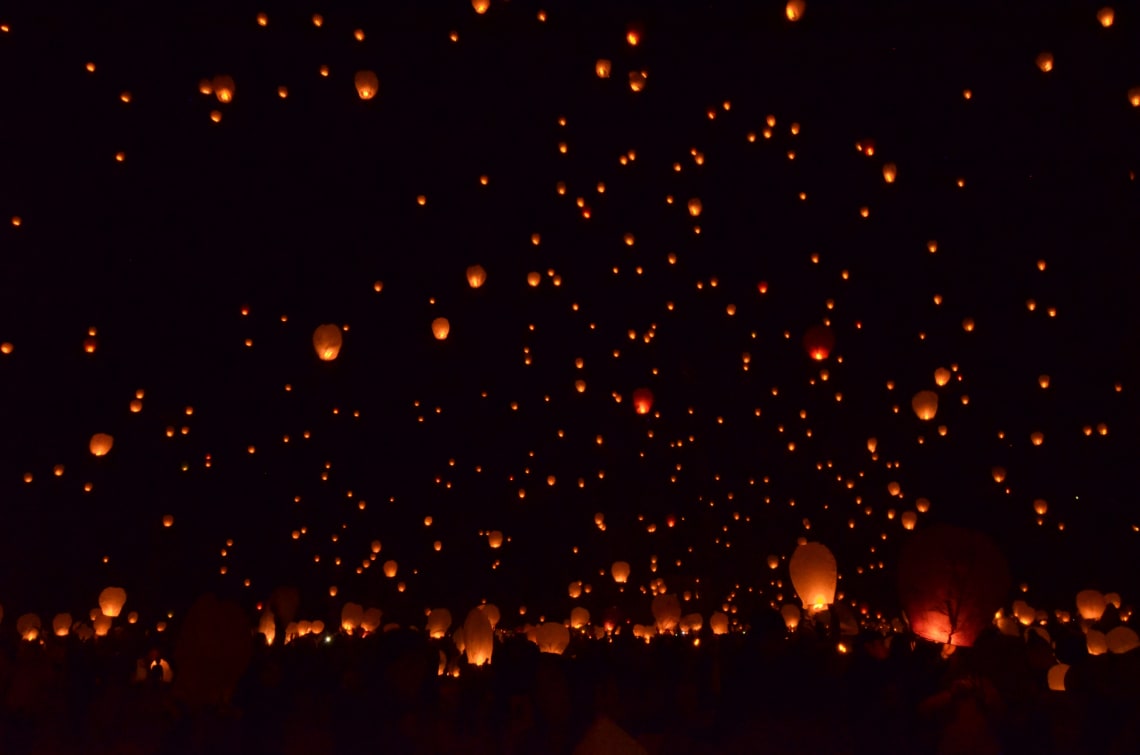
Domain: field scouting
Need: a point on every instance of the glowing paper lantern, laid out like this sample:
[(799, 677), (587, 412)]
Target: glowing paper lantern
[(818, 342), (61, 624), (1056, 677), (439, 621), (111, 601), (951, 582), (925, 405), (602, 68), (814, 575), (1090, 604), (28, 626), (718, 623), (478, 638), (666, 613), (620, 572), (495, 539), (100, 444), (440, 327), (941, 376), (551, 637), (351, 614), (791, 616), (794, 10), (327, 340), (1097, 642), (476, 276), (642, 400), (223, 87), (579, 617), (367, 85)]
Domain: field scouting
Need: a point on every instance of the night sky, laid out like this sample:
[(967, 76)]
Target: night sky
[(203, 260)]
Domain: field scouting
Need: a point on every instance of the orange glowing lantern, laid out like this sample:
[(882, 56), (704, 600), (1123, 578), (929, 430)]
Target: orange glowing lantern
[(100, 444), (818, 342), (327, 340), (951, 582), (111, 601), (925, 405), (814, 574), (476, 276), (440, 327), (367, 85), (642, 400)]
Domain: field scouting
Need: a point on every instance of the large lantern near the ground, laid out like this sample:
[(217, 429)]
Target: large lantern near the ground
[(951, 582), (814, 575)]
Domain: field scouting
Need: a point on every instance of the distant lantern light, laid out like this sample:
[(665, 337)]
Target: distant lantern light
[(695, 207), (440, 328), (100, 444), (819, 342), (367, 85), (327, 340), (480, 6), (476, 276), (794, 10), (925, 405), (603, 68), (637, 80), (1045, 62), (890, 172), (620, 572), (941, 376), (1106, 16), (642, 400), (223, 88)]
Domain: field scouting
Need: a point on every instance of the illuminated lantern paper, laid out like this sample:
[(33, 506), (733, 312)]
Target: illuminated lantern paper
[(620, 572), (1056, 677), (111, 601), (327, 340), (367, 85), (794, 10), (951, 583), (28, 626), (100, 444), (371, 620), (351, 614), (666, 613), (495, 539), (1090, 605), (602, 68), (718, 622), (579, 617), (1097, 642), (818, 342), (642, 400), (814, 575), (476, 276), (791, 616), (925, 405), (440, 327), (478, 638), (439, 621), (223, 87), (551, 637), (1122, 639), (61, 624)]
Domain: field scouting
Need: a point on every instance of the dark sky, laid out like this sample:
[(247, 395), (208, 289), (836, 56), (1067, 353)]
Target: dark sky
[(293, 207)]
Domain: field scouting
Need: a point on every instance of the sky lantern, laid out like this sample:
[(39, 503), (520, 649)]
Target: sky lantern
[(480, 6), (794, 10), (1134, 96), (890, 172), (367, 85), (1106, 16), (438, 622), (1090, 604), (579, 617), (111, 601), (390, 567), (1056, 677), (791, 615), (327, 340), (695, 207), (951, 583), (478, 638), (1122, 639), (551, 637), (351, 614), (925, 405), (495, 539), (100, 444), (28, 626), (620, 572), (814, 574), (603, 68), (642, 400), (223, 88), (476, 276), (637, 80), (941, 376), (718, 623), (666, 613), (818, 342), (440, 327), (1045, 62), (61, 624)]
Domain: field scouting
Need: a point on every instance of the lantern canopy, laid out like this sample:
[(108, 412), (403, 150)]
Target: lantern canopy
[(951, 582), (814, 574)]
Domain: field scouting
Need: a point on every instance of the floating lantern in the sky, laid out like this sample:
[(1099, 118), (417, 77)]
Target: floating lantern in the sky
[(480, 6), (890, 172), (695, 207), (551, 637), (794, 10), (1106, 16), (1045, 62), (925, 405), (951, 582), (111, 601), (367, 85), (602, 68), (478, 637), (642, 400), (941, 376), (101, 444), (223, 88), (814, 574), (1090, 604), (476, 276), (440, 327), (620, 572), (327, 340), (818, 342)]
